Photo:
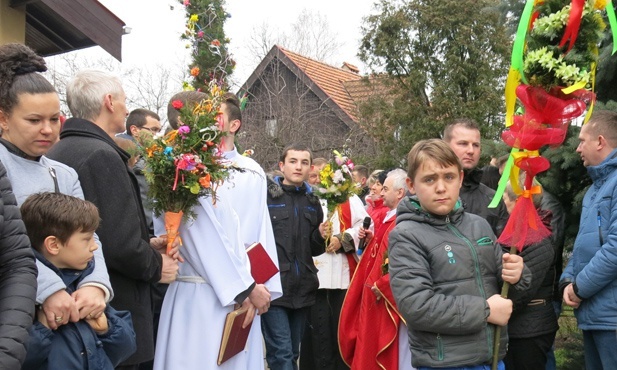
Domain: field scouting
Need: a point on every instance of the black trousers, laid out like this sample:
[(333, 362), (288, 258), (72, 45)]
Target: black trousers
[(319, 348), (528, 353)]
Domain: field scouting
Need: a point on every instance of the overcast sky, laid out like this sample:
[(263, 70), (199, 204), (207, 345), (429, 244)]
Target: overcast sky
[(156, 26)]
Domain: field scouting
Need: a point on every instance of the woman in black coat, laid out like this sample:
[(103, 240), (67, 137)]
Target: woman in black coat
[(17, 279), (533, 324)]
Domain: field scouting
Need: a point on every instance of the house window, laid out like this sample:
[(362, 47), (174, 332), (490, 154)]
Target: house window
[(271, 127)]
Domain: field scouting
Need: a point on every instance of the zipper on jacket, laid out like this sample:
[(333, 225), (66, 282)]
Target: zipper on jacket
[(476, 264), (52, 172), (474, 253), (439, 348), (600, 228)]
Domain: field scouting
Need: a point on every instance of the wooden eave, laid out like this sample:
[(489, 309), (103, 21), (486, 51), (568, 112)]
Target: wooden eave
[(59, 26)]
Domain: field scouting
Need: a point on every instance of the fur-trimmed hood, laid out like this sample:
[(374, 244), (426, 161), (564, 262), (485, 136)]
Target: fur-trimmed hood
[(276, 189)]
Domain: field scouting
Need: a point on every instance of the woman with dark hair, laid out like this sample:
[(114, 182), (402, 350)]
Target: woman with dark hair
[(30, 123)]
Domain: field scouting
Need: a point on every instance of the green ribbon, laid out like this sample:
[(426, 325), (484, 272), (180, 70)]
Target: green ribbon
[(503, 181), (519, 40), (610, 12)]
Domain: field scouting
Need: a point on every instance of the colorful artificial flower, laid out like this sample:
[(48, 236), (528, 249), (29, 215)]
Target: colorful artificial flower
[(195, 71), (183, 131), (216, 43), (187, 163), (336, 184), (177, 104)]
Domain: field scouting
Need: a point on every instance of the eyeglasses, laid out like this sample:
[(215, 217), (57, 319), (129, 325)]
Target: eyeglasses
[(154, 130)]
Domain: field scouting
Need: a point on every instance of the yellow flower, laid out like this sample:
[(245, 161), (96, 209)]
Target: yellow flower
[(600, 4), (171, 136), (187, 87), (205, 106), (194, 18), (153, 149)]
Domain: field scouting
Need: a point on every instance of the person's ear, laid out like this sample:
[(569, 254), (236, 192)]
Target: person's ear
[(234, 126), (281, 164), (52, 245), (410, 186), (134, 130), (4, 120), (108, 102), (601, 142), (461, 175)]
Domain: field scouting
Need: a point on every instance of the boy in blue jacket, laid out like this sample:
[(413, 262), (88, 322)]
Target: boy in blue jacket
[(61, 230)]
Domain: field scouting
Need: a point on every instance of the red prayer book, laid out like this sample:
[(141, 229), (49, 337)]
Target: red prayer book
[(262, 267), (234, 336)]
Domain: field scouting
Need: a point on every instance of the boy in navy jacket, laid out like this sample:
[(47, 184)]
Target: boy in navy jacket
[(61, 230)]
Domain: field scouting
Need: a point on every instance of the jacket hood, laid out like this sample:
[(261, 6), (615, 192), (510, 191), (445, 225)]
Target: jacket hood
[(472, 178), (84, 128), (276, 188), (410, 209), (600, 172)]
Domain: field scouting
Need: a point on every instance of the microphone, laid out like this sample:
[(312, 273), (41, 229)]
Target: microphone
[(365, 225)]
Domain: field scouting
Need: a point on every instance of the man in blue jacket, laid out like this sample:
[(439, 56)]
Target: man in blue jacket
[(589, 282)]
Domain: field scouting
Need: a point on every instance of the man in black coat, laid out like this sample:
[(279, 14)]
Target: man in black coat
[(463, 136), (97, 103)]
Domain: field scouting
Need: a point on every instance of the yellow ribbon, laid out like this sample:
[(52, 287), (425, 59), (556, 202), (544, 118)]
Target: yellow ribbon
[(514, 174)]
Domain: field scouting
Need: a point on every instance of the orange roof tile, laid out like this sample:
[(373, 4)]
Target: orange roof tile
[(331, 80)]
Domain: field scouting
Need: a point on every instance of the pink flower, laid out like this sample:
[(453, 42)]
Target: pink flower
[(339, 160), (200, 34), (183, 131), (186, 162), (187, 2), (350, 164)]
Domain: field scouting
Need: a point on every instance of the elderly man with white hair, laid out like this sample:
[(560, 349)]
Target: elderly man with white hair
[(371, 333), (134, 260)]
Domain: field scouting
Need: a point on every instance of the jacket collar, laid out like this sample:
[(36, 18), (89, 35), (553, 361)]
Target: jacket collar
[(68, 276), (276, 189), (85, 128), (601, 171), (472, 178), (410, 208), (13, 149)]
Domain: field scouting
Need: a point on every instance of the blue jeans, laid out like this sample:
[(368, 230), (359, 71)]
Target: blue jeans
[(282, 329), (500, 366), (600, 350)]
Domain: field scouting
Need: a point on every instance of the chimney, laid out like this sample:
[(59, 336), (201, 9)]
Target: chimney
[(350, 67)]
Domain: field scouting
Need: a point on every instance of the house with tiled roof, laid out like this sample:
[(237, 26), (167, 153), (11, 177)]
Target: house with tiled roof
[(292, 98)]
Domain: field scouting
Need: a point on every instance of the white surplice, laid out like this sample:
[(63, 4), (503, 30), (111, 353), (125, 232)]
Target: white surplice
[(333, 268), (193, 313), (247, 193)]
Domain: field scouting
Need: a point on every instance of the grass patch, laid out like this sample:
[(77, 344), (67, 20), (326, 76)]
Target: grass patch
[(569, 343)]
